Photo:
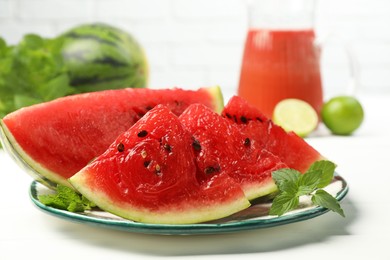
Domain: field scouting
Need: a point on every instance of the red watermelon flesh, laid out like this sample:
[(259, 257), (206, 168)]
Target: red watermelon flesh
[(289, 147), (149, 175), (60, 137), (220, 146)]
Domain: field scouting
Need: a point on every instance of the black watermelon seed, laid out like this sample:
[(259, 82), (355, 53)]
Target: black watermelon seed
[(167, 147), (149, 108), (244, 119), (120, 147), (211, 169), (228, 115), (143, 133), (146, 163), (196, 145), (247, 142), (259, 119), (140, 114)]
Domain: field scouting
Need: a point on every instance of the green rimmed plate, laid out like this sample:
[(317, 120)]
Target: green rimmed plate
[(254, 217)]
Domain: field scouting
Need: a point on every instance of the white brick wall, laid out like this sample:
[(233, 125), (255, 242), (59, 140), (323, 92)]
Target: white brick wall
[(194, 43)]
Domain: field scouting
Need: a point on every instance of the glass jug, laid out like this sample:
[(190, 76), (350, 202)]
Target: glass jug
[(281, 58)]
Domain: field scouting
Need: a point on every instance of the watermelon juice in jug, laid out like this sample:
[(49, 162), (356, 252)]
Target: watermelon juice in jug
[(281, 59)]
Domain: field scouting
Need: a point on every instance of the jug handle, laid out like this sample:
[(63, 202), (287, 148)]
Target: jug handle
[(353, 68)]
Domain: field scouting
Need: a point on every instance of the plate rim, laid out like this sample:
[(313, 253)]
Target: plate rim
[(186, 229)]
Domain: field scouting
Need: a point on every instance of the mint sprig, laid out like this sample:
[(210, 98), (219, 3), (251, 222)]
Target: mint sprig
[(67, 199), (292, 184)]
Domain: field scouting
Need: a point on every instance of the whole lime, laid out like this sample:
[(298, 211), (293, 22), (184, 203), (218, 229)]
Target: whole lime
[(342, 115)]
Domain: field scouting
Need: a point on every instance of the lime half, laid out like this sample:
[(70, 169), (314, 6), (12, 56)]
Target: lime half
[(295, 115)]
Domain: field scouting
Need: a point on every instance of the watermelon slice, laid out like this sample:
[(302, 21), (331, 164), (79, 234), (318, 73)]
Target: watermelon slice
[(222, 147), (289, 147), (149, 175), (60, 137)]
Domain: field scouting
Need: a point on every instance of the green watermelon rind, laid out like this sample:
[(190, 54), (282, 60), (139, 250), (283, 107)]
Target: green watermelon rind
[(183, 213), (216, 92), (255, 190), (36, 170)]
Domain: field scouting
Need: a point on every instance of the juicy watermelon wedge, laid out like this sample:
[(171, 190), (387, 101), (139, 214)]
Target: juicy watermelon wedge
[(58, 138), (149, 175), (222, 147), (289, 147)]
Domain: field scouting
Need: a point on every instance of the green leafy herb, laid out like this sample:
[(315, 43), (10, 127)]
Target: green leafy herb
[(324, 199), (66, 199), (292, 184), (31, 72)]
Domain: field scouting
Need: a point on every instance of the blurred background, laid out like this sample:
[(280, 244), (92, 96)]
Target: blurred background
[(197, 43)]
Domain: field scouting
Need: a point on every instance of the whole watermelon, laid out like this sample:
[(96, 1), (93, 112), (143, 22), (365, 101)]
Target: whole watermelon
[(99, 56)]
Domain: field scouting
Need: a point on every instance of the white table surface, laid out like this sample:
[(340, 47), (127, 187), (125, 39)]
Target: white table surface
[(363, 160)]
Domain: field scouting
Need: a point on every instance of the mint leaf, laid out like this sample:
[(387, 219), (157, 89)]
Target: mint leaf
[(75, 207), (66, 199), (286, 179), (309, 181), (52, 200), (326, 169), (324, 199), (56, 87), (87, 203), (285, 174), (283, 203), (68, 195), (292, 184), (304, 190), (3, 45)]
